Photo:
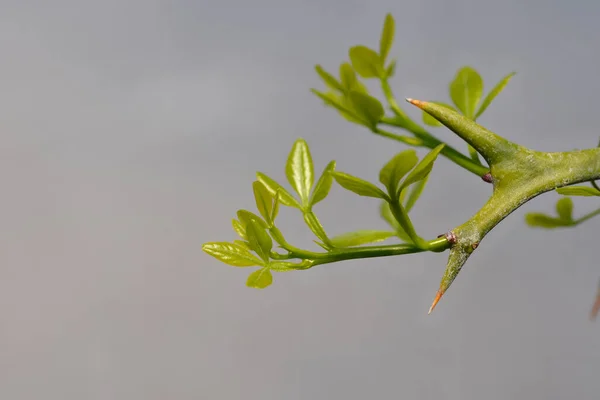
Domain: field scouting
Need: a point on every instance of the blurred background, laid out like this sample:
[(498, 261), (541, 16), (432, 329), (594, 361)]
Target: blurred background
[(130, 135)]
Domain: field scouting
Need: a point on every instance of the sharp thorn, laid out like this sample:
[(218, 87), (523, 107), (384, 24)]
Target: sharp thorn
[(438, 296)]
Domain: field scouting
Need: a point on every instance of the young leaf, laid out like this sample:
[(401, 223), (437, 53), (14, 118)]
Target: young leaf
[(466, 90), (366, 62), (243, 244), (315, 226), (415, 193), (346, 110), (564, 209), (391, 69), (264, 201), (329, 79), (578, 191), (323, 184), (386, 214), (284, 266), (260, 279), (360, 237), (299, 170), (348, 77), (259, 239), (431, 121), (493, 93), (231, 253), (245, 216), (423, 168), (358, 186), (387, 37), (275, 209), (239, 228), (538, 220), (368, 107), (396, 168), (273, 187)]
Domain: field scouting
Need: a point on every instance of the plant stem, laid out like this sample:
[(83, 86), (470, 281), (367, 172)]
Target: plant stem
[(436, 245), (587, 216)]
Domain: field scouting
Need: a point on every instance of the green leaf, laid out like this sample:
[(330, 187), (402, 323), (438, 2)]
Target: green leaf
[(243, 244), (387, 37), (422, 170), (391, 69), (245, 216), (264, 201), (285, 197), (299, 170), (415, 193), (258, 238), (346, 110), (367, 107), (231, 253), (538, 220), (260, 279), (366, 62), (466, 90), (358, 186), (564, 209), (329, 79), (392, 172), (493, 93), (578, 191), (239, 228), (323, 184), (284, 266), (348, 77), (275, 210), (431, 121), (315, 226), (361, 237), (386, 214)]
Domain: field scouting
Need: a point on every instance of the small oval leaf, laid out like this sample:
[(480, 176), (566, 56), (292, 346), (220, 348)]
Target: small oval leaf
[(368, 107), (329, 80), (258, 238), (537, 220), (323, 185), (231, 253), (387, 37), (264, 201), (358, 238), (578, 191), (260, 279), (358, 186), (493, 93), (299, 170), (239, 228), (285, 197), (564, 209), (366, 62), (466, 90), (392, 172), (423, 168)]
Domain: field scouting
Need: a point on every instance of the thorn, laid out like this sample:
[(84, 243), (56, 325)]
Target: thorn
[(417, 103), (488, 178), (475, 245), (438, 296)]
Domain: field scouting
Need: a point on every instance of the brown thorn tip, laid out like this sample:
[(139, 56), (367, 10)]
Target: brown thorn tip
[(417, 103), (438, 296)]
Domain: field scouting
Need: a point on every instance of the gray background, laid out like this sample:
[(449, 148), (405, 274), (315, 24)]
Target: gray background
[(131, 131)]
